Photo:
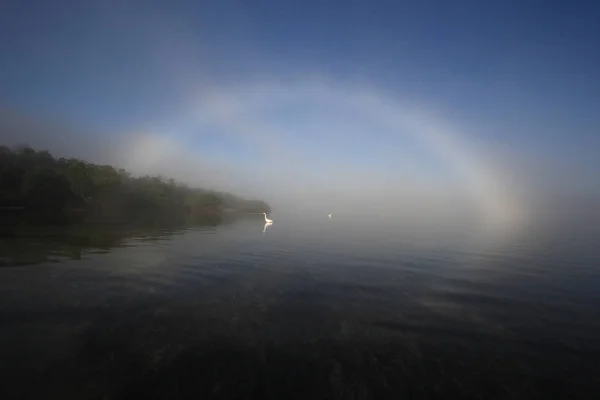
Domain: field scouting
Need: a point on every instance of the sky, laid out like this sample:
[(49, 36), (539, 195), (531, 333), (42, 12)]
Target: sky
[(392, 106)]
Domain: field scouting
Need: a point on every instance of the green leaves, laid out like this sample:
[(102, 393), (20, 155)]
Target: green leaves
[(51, 188)]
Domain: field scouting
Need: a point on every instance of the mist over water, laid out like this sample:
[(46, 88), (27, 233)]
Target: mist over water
[(448, 266), (454, 146)]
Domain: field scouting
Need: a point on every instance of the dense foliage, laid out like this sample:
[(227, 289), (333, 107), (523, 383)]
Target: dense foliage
[(37, 188)]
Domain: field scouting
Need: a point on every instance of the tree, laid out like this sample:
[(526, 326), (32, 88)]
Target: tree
[(47, 194), (53, 189)]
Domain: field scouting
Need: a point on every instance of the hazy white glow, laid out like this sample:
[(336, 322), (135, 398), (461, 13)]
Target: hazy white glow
[(154, 154), (315, 145), (237, 111)]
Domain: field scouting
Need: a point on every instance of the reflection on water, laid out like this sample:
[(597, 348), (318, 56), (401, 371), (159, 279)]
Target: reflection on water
[(27, 246), (34, 245), (267, 224), (349, 309)]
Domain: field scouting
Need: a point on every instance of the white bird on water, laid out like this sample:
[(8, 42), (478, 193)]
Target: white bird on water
[(329, 215), (267, 220)]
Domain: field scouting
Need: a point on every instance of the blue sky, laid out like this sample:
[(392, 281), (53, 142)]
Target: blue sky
[(514, 80)]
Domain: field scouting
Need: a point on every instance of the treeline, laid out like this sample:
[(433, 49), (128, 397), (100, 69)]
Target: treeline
[(37, 188)]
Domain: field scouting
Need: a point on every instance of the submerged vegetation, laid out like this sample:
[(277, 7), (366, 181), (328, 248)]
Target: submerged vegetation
[(38, 189)]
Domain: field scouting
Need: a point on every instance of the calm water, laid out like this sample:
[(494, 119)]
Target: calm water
[(351, 308)]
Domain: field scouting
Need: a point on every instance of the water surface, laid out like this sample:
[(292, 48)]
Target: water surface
[(307, 308)]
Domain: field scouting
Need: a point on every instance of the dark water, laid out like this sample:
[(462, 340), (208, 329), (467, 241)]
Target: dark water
[(313, 308)]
